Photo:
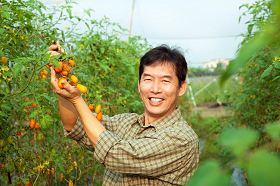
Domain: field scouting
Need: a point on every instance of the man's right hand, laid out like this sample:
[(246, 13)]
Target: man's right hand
[(55, 48)]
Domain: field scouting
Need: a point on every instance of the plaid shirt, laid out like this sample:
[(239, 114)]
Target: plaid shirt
[(165, 152)]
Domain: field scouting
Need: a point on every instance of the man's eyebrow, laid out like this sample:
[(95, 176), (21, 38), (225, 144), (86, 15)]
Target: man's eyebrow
[(167, 76), (145, 75)]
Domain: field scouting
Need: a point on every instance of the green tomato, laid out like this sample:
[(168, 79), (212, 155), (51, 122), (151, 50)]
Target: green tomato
[(10, 139), (6, 148), (39, 137), (2, 143)]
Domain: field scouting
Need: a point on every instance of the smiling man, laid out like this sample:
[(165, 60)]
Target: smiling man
[(155, 148)]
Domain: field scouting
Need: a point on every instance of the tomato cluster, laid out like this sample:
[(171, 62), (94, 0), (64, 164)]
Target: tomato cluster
[(65, 73), (97, 111)]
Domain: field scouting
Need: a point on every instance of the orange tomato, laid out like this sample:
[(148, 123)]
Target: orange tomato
[(45, 72), (98, 109), (34, 105), (4, 60), (74, 79), (64, 72), (71, 63), (28, 183), (2, 165), (43, 76), (82, 88), (59, 69), (32, 123), (47, 66), (37, 125), (66, 67), (91, 107), (59, 83), (99, 116)]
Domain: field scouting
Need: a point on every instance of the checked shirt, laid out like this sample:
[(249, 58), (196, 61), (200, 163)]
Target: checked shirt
[(165, 152)]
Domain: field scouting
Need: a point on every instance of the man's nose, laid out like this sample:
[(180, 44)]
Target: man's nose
[(156, 87)]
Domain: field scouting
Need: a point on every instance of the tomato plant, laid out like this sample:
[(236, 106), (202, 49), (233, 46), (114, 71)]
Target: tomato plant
[(100, 60)]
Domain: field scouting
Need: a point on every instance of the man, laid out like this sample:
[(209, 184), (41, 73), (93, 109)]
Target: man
[(155, 148)]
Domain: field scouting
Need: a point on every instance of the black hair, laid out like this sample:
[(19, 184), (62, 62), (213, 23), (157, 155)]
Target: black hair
[(165, 54)]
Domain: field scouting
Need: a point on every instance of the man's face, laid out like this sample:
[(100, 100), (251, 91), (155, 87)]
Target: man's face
[(159, 89)]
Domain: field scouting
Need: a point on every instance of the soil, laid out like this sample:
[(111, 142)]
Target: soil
[(213, 109)]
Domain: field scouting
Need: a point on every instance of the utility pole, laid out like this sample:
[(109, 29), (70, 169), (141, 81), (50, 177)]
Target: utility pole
[(131, 18)]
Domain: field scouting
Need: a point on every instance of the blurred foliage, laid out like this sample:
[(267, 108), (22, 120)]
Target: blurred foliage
[(105, 64), (252, 140)]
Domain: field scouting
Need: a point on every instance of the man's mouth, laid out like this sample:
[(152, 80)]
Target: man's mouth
[(155, 100)]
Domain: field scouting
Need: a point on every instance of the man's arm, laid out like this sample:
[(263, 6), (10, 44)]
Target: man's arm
[(72, 105), (68, 113), (92, 126)]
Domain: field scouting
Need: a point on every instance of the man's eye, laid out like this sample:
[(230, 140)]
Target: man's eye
[(165, 81), (147, 79)]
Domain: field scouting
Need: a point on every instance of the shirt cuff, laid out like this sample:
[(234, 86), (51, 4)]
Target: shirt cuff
[(104, 143), (76, 133)]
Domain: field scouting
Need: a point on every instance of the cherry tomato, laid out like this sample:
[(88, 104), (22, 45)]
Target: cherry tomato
[(82, 88), (98, 109)]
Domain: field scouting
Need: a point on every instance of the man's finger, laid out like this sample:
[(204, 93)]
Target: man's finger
[(66, 85), (53, 78)]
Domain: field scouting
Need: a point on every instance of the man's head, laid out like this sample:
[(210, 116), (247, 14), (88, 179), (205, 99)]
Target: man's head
[(162, 76), (164, 54)]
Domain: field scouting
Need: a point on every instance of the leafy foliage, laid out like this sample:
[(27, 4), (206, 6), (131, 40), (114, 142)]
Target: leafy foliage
[(105, 63)]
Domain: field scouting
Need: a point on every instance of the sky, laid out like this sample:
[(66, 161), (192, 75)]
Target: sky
[(206, 29)]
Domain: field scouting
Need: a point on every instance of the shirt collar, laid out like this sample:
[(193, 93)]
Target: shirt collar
[(164, 122)]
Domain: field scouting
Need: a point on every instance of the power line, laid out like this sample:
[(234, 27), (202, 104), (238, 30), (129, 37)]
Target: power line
[(210, 37)]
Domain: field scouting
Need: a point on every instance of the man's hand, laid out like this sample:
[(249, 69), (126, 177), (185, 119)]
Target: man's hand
[(55, 49), (69, 92)]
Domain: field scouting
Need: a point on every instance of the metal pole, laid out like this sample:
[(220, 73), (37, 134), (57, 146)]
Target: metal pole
[(131, 18)]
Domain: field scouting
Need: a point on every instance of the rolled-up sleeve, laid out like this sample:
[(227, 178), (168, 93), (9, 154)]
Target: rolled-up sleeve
[(78, 134)]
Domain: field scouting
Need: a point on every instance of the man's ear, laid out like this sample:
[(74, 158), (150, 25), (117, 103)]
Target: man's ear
[(183, 88)]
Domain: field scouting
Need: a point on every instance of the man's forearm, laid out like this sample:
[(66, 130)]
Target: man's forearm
[(92, 126), (68, 113)]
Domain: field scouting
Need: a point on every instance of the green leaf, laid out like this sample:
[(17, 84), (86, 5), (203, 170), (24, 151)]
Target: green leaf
[(55, 62), (87, 25), (7, 74), (277, 65), (48, 118), (48, 98), (3, 114), (276, 78), (6, 106), (238, 139), (69, 12), (17, 69), (24, 181), (34, 113), (264, 169), (209, 173), (61, 167), (26, 94), (102, 50), (27, 103), (266, 72), (6, 15), (273, 130), (245, 53)]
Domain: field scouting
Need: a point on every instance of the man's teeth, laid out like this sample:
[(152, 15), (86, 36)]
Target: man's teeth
[(156, 99)]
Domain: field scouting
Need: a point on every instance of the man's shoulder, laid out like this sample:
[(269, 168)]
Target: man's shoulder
[(181, 129)]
